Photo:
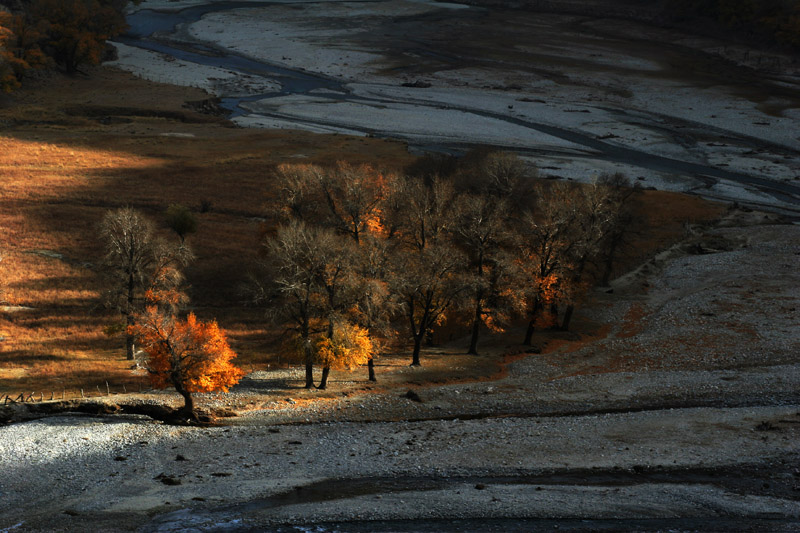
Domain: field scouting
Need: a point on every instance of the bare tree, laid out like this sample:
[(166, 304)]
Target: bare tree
[(304, 280), (601, 221), (374, 304), (427, 283), (622, 221), (419, 213), (136, 261), (499, 174), (545, 243), (337, 281), (481, 227), (352, 195), (425, 267), (298, 194), (285, 282)]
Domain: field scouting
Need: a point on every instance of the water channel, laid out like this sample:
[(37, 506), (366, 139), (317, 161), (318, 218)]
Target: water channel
[(156, 31)]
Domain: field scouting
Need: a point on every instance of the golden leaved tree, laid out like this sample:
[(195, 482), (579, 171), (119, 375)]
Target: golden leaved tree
[(188, 354), (349, 347)]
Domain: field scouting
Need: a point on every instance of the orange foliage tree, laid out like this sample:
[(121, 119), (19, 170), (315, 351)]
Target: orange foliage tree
[(8, 81), (78, 29), (190, 355)]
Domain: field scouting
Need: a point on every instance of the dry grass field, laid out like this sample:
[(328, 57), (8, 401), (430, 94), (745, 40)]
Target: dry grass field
[(72, 148)]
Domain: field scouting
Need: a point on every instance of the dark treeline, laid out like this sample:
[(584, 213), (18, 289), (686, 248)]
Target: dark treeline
[(757, 22), (775, 20), (37, 34)]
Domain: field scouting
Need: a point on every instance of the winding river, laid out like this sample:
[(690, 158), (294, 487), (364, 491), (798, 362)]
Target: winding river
[(156, 31)]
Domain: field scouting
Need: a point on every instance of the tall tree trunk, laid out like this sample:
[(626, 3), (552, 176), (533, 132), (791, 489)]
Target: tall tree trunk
[(417, 348), (567, 317), (532, 323), (309, 375), (417, 334), (130, 349), (323, 383), (129, 338), (476, 326), (609, 263), (473, 343), (309, 365), (529, 332), (371, 368), (553, 315), (309, 356), (188, 402)]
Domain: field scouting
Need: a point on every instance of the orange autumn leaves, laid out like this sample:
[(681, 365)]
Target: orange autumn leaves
[(19, 51), (69, 33), (189, 354), (348, 348)]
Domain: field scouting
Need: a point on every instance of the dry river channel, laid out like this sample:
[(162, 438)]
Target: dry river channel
[(415, 36)]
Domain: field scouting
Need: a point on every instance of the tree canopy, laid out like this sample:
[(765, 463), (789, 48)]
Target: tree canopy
[(188, 354), (67, 33)]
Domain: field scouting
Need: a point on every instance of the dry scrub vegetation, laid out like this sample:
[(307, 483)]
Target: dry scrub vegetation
[(72, 148)]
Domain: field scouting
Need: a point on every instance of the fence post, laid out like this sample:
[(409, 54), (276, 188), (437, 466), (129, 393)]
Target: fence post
[(81, 393), (108, 389)]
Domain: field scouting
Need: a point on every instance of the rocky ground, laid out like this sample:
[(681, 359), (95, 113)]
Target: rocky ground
[(681, 413)]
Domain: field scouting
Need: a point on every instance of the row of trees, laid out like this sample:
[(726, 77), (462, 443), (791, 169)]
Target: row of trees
[(355, 257), (67, 33), (359, 255), (776, 19)]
